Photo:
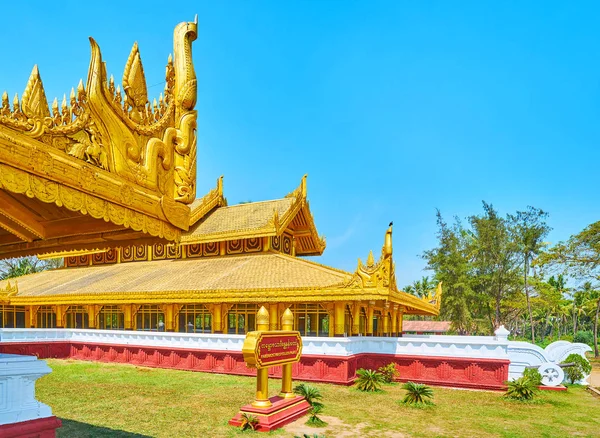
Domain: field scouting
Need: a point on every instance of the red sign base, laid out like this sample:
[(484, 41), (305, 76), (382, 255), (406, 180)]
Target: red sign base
[(282, 412)]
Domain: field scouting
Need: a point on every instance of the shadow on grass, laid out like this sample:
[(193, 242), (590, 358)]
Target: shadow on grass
[(72, 428)]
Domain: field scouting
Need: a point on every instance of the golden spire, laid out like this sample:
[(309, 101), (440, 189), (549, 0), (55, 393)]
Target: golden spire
[(370, 259), (287, 320), (262, 319), (34, 101), (387, 245)]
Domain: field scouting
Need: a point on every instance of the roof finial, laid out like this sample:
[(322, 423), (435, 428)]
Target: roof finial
[(387, 245)]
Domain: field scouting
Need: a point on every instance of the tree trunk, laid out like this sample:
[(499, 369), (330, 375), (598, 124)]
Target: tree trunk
[(528, 302), (596, 355)]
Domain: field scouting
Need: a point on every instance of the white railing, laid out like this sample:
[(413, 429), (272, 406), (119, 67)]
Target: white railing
[(520, 354)]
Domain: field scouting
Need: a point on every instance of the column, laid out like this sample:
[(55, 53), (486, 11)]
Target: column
[(287, 323), (262, 374), (217, 318), (400, 319), (356, 318), (91, 310), (370, 309), (127, 317), (273, 317), (32, 316), (169, 317), (386, 320), (395, 320), (339, 315), (60, 310)]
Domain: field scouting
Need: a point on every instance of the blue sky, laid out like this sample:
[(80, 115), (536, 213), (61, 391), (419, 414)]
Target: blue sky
[(393, 108)]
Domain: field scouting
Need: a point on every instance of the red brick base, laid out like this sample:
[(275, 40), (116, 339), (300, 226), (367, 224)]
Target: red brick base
[(40, 428), (446, 371), (282, 412)]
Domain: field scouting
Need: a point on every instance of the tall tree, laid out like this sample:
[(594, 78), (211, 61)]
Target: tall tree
[(580, 257), (495, 259), (530, 229), (12, 268)]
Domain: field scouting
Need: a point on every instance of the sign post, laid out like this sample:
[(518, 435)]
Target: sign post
[(262, 350)]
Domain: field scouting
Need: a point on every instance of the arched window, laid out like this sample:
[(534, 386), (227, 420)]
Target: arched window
[(241, 319), (311, 319), (150, 318), (12, 316), (110, 318), (46, 318), (195, 318), (77, 317)]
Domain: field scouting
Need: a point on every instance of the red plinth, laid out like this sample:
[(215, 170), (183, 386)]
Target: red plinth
[(283, 411), (553, 388), (40, 428)]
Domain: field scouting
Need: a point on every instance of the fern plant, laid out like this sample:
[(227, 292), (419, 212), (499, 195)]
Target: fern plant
[(389, 372), (310, 393), (417, 394), (369, 380), (249, 421), (313, 419), (521, 389)]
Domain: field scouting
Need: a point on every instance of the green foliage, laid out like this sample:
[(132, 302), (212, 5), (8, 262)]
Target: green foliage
[(533, 375), (580, 370), (389, 372), (369, 380), (521, 389), (417, 394), (312, 394), (585, 337), (249, 421), (305, 435), (313, 419), (12, 268)]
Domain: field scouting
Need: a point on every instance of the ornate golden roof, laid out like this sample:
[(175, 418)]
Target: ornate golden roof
[(258, 219), (228, 278), (104, 152)]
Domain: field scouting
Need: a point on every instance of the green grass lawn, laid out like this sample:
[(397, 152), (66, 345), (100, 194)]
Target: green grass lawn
[(109, 400)]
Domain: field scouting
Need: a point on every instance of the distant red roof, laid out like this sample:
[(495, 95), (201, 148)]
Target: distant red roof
[(426, 326)]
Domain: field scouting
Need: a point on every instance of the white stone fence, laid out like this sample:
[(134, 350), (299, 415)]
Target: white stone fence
[(520, 354)]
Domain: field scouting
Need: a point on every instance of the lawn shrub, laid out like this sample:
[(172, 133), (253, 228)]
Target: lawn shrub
[(521, 389), (313, 419), (417, 394), (580, 370), (369, 380), (313, 396), (389, 372), (584, 337), (249, 421), (533, 375)]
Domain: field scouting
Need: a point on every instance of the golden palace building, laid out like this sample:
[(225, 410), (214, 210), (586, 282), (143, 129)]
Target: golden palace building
[(106, 179)]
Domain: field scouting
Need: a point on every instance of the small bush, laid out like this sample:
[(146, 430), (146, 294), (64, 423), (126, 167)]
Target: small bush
[(314, 419), (521, 389), (389, 372), (369, 380), (417, 394), (533, 375), (581, 368), (249, 421), (584, 337), (310, 393)]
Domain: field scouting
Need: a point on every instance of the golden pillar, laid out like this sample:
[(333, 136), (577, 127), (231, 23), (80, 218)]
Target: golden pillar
[(400, 319), (386, 320), (273, 317), (91, 310), (60, 311), (356, 318), (395, 320), (262, 374), (370, 309), (127, 317), (217, 318), (287, 323), (339, 316), (32, 315), (169, 317)]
